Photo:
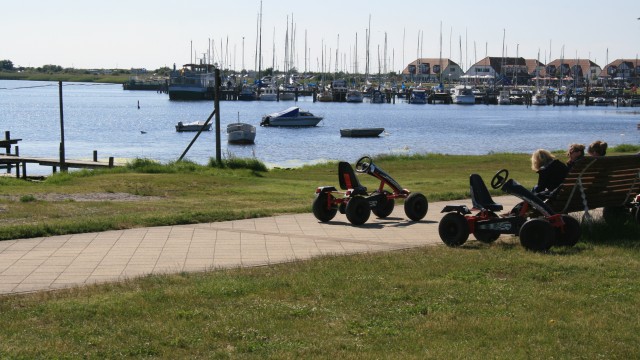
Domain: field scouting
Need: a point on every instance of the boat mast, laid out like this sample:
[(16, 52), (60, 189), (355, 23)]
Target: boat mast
[(260, 44)]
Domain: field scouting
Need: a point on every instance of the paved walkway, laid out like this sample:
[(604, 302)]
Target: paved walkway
[(55, 262)]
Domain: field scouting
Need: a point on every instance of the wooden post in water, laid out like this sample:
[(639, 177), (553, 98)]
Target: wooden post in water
[(216, 104), (62, 152)]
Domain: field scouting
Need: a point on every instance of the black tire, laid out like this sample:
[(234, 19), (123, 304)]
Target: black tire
[(487, 236), (320, 209), (636, 214), (537, 235), (453, 229), (358, 210), (615, 215), (384, 207), (416, 206), (570, 235)]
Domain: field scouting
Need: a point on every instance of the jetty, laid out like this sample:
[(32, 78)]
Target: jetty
[(12, 158)]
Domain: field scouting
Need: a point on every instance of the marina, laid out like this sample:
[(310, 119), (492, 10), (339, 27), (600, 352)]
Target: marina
[(107, 118)]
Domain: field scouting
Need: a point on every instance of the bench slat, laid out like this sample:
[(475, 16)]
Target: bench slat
[(606, 181)]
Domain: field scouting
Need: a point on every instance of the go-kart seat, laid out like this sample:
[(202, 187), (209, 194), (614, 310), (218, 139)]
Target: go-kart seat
[(514, 188), (348, 179), (480, 197)]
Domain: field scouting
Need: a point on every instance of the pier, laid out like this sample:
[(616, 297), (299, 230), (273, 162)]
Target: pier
[(11, 158)]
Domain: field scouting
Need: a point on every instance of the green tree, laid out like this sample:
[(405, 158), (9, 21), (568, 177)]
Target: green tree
[(6, 65)]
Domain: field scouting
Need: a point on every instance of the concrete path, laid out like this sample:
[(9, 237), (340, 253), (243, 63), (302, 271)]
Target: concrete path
[(56, 262)]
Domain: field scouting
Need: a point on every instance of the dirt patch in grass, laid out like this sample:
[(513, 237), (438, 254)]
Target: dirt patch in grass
[(96, 196)]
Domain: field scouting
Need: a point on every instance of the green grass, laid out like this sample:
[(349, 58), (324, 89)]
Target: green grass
[(185, 192), (481, 301)]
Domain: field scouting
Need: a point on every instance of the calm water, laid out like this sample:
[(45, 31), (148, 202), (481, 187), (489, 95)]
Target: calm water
[(107, 119)]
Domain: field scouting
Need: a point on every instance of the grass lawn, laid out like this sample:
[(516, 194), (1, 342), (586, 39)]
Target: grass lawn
[(480, 301)]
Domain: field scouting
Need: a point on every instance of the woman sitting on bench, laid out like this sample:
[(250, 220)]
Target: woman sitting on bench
[(551, 172)]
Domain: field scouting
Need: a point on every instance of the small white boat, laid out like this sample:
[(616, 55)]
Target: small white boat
[(287, 93), (241, 133), (463, 95), (503, 98), (539, 98), (325, 96), (361, 132), (377, 97), (292, 116), (193, 126), (269, 93)]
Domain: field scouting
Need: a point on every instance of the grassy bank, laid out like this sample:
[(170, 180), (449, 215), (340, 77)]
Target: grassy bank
[(70, 77), (481, 301), (182, 193)]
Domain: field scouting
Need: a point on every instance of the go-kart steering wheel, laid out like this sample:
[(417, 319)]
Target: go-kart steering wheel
[(499, 178), (363, 164)]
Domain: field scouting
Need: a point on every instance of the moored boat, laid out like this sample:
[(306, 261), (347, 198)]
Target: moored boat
[(241, 133), (361, 132), (192, 82), (292, 116), (463, 95), (418, 96), (193, 126), (354, 96)]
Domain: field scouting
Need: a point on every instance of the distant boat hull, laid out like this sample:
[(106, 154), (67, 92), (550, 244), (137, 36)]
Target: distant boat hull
[(193, 126), (361, 132)]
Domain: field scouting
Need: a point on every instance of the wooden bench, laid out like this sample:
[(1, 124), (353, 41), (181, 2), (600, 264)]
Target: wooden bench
[(598, 182)]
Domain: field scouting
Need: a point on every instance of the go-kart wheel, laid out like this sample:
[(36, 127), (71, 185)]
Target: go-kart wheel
[(537, 235), (416, 206), (363, 164), (499, 178), (487, 236), (453, 229), (321, 208), (384, 207), (358, 210), (615, 215), (570, 234)]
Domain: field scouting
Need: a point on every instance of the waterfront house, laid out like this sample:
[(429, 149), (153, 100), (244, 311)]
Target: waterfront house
[(576, 71), (501, 70), (432, 70), (621, 71)]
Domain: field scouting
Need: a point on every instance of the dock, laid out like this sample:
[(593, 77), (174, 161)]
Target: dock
[(11, 158)]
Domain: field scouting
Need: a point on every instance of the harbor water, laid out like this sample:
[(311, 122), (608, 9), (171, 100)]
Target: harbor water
[(141, 124)]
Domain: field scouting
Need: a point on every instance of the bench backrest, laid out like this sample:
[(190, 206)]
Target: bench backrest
[(603, 181)]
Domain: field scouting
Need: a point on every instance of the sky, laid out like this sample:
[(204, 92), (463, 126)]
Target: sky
[(89, 34)]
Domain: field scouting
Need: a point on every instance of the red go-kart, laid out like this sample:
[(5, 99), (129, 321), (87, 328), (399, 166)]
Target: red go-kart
[(358, 204)]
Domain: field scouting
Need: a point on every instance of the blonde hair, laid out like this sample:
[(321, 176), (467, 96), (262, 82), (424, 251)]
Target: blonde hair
[(541, 158)]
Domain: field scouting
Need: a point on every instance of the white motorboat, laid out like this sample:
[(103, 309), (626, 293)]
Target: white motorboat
[(292, 116), (503, 98), (539, 98), (193, 126), (269, 93), (463, 94), (241, 133)]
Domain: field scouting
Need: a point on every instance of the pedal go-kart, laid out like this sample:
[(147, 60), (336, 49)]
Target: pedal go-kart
[(358, 204), (537, 225)]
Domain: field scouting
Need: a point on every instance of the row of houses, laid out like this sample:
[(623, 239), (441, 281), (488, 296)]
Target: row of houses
[(517, 70)]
